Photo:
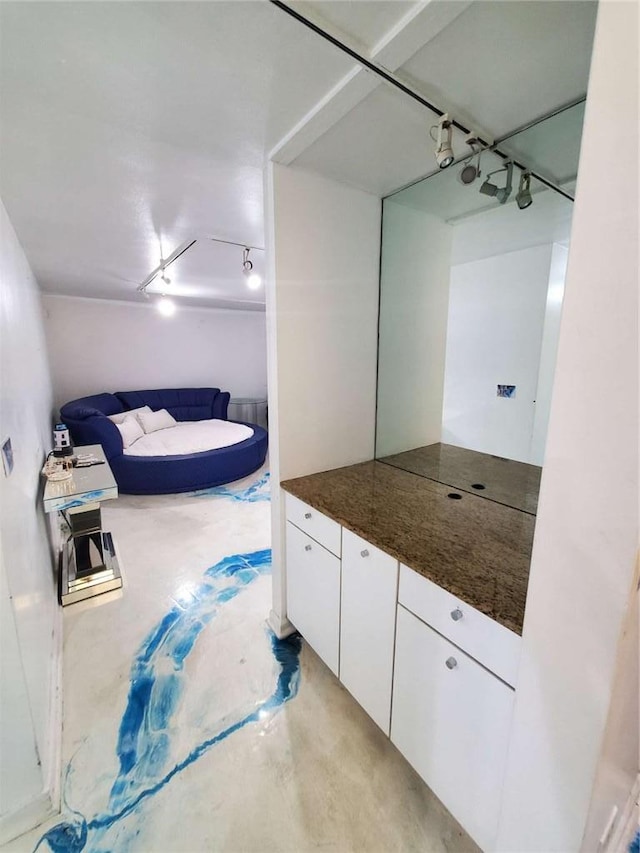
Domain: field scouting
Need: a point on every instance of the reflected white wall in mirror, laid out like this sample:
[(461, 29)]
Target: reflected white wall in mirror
[(470, 299)]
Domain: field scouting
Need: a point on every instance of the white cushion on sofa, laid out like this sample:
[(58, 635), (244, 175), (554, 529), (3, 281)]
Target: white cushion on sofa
[(153, 421), (119, 418), (191, 437), (130, 430)]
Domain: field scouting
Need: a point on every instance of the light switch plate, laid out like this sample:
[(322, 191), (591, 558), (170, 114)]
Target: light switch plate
[(7, 456)]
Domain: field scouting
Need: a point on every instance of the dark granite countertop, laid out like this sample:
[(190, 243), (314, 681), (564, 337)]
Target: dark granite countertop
[(476, 549), (506, 481)]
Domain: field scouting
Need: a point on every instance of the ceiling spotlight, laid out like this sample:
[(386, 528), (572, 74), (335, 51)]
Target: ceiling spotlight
[(444, 151), (166, 306), (493, 190), (524, 191), (253, 279)]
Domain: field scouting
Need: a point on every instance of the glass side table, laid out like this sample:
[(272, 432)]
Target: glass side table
[(88, 561), (252, 410)]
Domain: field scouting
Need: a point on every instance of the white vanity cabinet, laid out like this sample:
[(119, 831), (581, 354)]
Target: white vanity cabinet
[(367, 625), (451, 721), (313, 579), (434, 673)]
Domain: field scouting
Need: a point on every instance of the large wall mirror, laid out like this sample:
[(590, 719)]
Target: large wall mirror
[(470, 302)]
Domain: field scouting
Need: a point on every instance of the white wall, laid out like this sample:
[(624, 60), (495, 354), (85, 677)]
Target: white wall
[(322, 314), (618, 764), (30, 629), (549, 352), (100, 345), (494, 336), (414, 297), (586, 536)]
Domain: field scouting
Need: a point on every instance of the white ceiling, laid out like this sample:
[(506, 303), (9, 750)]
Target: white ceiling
[(128, 128)]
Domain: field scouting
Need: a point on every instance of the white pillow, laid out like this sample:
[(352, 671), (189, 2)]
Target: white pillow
[(153, 421), (119, 418), (130, 430)]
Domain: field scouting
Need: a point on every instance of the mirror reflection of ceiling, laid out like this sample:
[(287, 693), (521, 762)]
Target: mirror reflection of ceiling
[(551, 147), (126, 128), (548, 219)]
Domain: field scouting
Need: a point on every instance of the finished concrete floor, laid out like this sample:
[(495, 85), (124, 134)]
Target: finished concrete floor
[(186, 728)]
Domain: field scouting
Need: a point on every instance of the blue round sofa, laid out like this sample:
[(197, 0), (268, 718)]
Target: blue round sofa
[(88, 423)]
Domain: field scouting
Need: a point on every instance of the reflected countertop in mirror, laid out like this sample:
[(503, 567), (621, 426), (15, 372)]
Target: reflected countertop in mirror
[(514, 484)]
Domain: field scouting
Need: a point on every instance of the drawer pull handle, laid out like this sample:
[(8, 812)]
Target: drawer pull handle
[(451, 663), (364, 553), (307, 515), (307, 547), (456, 614)]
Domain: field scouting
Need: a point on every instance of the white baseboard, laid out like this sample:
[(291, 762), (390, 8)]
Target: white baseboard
[(54, 759), (47, 803), (27, 817), (627, 824)]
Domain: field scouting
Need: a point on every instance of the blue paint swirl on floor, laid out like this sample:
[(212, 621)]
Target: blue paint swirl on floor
[(156, 686), (258, 491)]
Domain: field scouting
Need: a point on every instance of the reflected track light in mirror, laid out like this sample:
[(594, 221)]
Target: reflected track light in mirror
[(524, 191), (253, 279), (166, 306), (501, 193), (444, 151), (469, 173), (487, 188)]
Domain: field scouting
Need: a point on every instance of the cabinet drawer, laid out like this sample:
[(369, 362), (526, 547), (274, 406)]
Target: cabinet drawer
[(324, 530), (367, 625), (484, 639), (313, 594), (451, 721)]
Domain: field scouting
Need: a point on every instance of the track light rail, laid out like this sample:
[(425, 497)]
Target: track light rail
[(393, 80), (182, 248)]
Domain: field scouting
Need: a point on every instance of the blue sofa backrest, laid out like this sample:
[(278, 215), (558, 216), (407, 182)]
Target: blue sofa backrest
[(88, 422), (185, 404), (106, 404)]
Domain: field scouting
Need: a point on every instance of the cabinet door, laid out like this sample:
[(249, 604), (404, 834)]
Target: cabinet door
[(313, 594), (367, 625), (451, 722)]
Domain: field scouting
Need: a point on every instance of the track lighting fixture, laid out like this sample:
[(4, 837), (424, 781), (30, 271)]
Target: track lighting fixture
[(159, 279), (493, 190), (253, 279), (166, 306), (444, 151), (162, 271), (524, 191)]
